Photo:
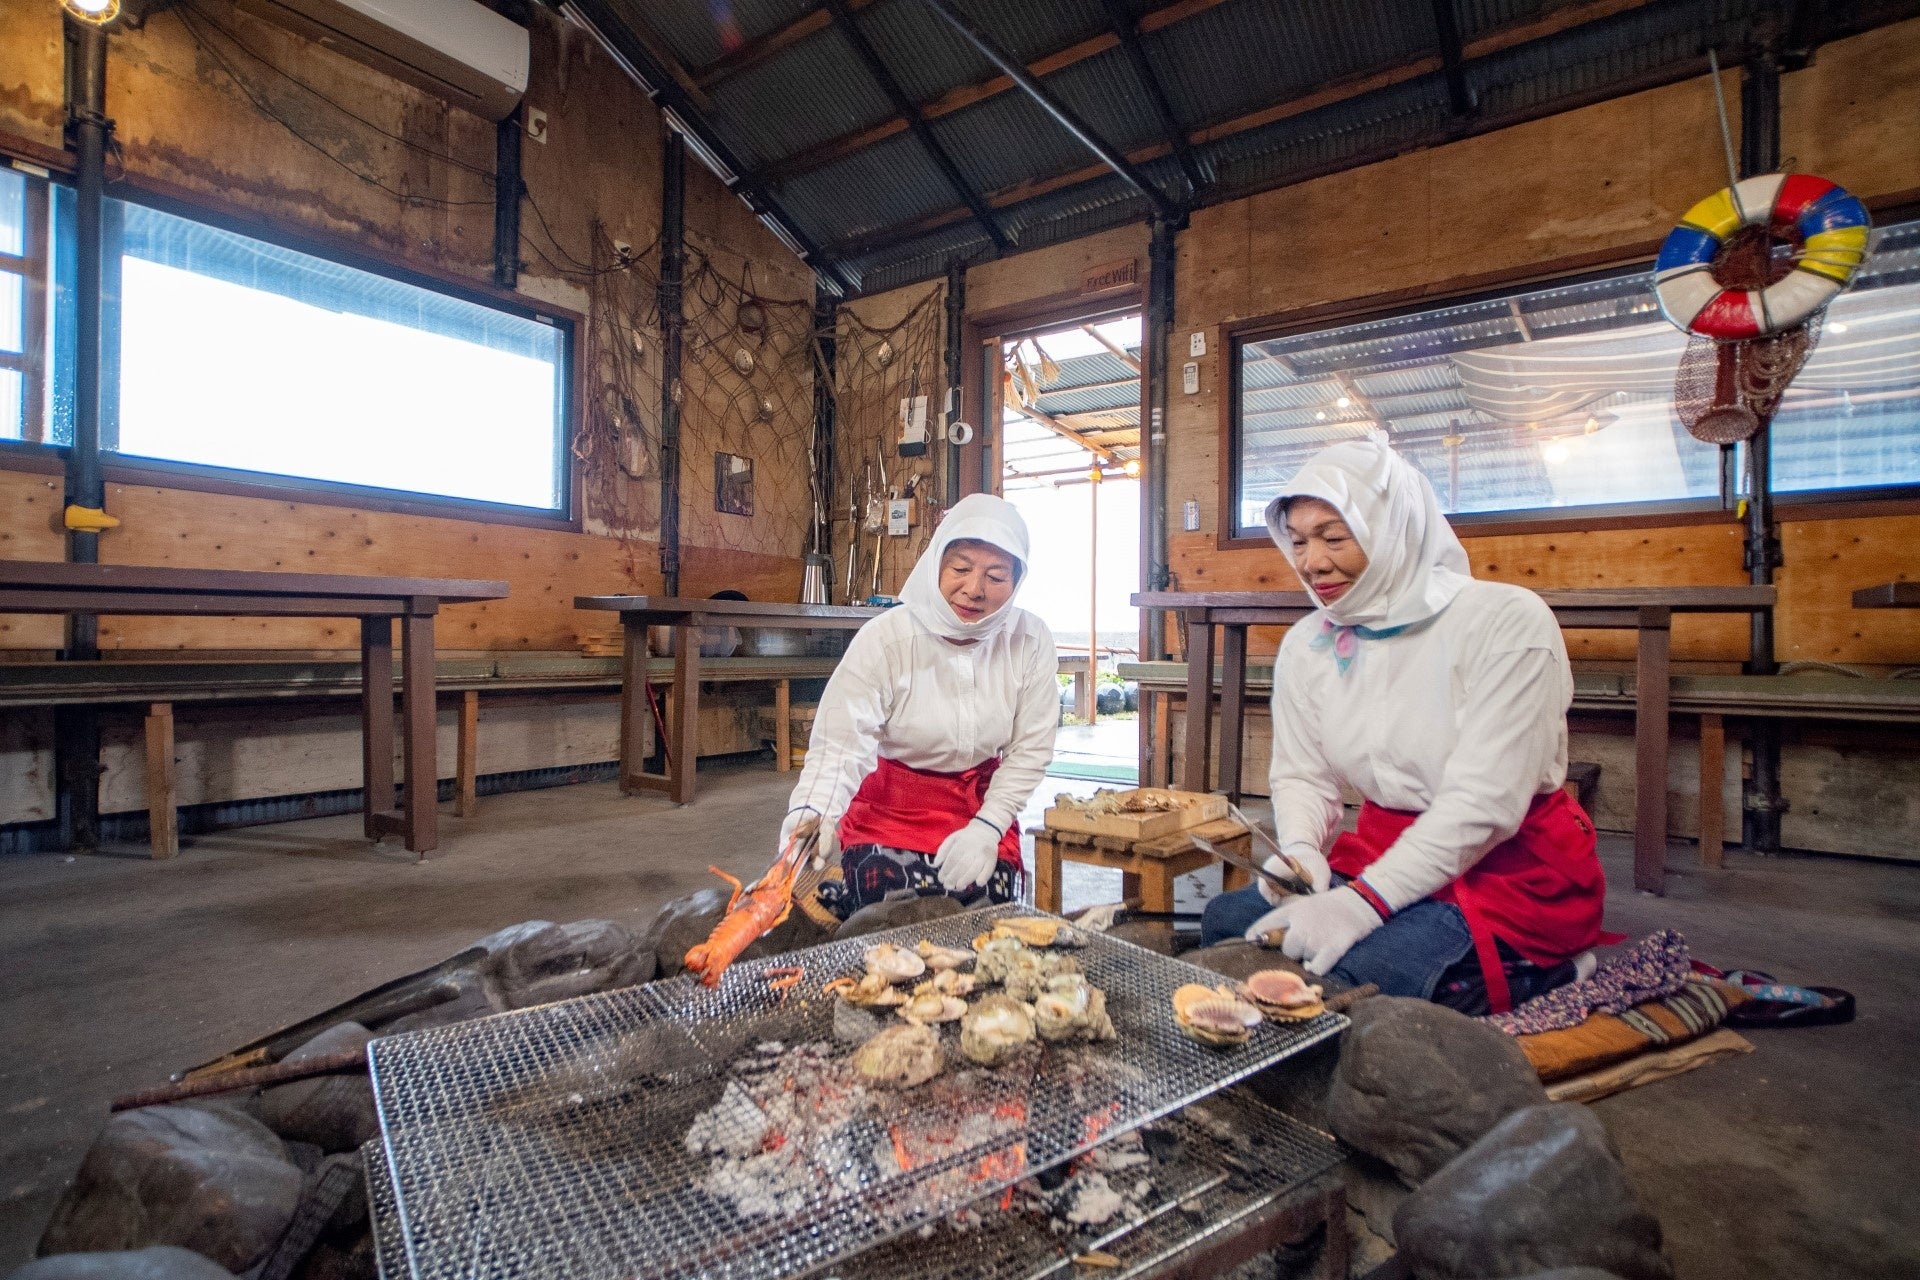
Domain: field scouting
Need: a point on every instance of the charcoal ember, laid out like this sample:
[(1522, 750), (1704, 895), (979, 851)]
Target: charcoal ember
[(685, 923), (208, 1179), (1416, 1084), (333, 1112), (156, 1262), (562, 961), (1544, 1188), (902, 909)]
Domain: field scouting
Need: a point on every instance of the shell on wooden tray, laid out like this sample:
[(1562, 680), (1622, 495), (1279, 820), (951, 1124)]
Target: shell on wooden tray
[(894, 963), (993, 1028), (931, 1007), (904, 1055), (869, 991), (1281, 993), (1214, 1015), (1071, 1008), (941, 958)]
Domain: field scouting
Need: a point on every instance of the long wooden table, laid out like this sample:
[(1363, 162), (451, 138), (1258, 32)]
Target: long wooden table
[(1646, 611), (28, 586), (1888, 595), (686, 617)]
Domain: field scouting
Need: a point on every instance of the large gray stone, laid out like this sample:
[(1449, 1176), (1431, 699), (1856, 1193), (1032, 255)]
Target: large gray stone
[(1417, 1083), (156, 1262), (685, 923), (207, 1179), (561, 961), (333, 1112), (897, 912), (1543, 1189), (478, 996)]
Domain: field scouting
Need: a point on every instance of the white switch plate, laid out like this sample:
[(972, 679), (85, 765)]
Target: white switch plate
[(1190, 515), (536, 124), (1196, 344), (1190, 378)]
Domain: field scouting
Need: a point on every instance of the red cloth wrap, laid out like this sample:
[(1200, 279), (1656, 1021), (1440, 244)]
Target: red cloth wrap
[(907, 808), (1541, 892)]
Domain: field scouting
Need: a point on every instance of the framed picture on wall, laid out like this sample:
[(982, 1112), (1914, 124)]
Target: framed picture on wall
[(732, 484)]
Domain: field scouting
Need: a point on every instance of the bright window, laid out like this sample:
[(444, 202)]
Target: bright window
[(1562, 397), (238, 354)]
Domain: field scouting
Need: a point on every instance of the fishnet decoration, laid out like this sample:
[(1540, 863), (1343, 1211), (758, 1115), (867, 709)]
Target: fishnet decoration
[(1726, 391), (618, 445), (747, 367), (876, 368)]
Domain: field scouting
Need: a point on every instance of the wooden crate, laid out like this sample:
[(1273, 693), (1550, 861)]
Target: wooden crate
[(1196, 810)]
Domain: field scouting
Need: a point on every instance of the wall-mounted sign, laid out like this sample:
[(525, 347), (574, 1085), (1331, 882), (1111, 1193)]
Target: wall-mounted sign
[(1110, 275)]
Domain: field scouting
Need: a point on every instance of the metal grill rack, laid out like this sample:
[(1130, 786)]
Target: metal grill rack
[(550, 1143)]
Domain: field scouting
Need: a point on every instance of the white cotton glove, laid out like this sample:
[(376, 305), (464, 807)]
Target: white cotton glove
[(1308, 859), (827, 850), (1321, 928), (967, 856)]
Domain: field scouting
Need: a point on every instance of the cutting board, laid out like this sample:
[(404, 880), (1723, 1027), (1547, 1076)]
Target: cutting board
[(1197, 810)]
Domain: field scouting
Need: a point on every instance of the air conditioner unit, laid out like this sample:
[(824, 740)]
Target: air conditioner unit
[(459, 50)]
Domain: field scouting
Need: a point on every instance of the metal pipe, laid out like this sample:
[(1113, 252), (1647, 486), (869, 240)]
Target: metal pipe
[(1014, 70), (507, 190), (1156, 335), (826, 359), (1093, 595), (673, 262), (956, 356)]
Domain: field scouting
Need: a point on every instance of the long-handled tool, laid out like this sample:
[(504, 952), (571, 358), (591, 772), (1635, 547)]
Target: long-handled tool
[(1286, 884), (1238, 815)]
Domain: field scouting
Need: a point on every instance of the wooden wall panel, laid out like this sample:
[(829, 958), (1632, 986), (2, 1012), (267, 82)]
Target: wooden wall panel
[(32, 80), (1826, 560), (1852, 115), (30, 530), (1053, 271)]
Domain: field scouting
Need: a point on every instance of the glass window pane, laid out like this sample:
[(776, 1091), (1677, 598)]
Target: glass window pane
[(241, 354), (12, 407), (13, 212), (13, 315)]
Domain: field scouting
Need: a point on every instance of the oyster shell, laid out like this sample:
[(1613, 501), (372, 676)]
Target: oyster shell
[(948, 982), (1031, 931), (1280, 993), (1071, 1008), (869, 991), (941, 958), (1023, 972), (995, 1027), (902, 1056), (933, 1007), (895, 963)]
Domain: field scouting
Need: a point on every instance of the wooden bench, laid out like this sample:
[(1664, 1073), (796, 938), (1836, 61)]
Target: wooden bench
[(1147, 868), (158, 687)]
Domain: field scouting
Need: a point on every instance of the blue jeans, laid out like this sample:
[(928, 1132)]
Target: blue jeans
[(1405, 956)]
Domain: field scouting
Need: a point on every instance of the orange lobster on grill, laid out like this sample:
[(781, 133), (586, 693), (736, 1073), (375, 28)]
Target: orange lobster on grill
[(767, 905)]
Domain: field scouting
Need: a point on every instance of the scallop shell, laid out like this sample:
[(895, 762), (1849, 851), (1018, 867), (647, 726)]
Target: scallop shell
[(894, 963), (902, 1056), (1281, 993), (1213, 1015), (939, 957), (994, 1028)]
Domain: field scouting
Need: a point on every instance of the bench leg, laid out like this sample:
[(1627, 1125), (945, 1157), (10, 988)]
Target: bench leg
[(466, 788), (1046, 875), (1160, 772), (685, 719), (376, 724), (782, 728), (419, 756), (1652, 671), (1156, 886), (1713, 761), (161, 800)]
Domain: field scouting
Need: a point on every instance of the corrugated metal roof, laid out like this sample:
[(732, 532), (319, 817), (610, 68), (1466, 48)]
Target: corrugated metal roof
[(882, 186), (1007, 139), (925, 55), (1032, 30), (1104, 91), (754, 110), (695, 30)]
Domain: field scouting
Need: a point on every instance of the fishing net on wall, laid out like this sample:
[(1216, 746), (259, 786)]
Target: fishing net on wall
[(1726, 390), (876, 367), (617, 450)]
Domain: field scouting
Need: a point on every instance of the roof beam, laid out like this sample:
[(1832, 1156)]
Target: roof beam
[(1336, 91), (760, 48), (1064, 115), (1114, 349), (1128, 34), (1459, 95), (967, 94), (1020, 405), (936, 150)]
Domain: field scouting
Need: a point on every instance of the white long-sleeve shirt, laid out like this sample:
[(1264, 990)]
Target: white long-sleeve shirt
[(1463, 719), (907, 694)]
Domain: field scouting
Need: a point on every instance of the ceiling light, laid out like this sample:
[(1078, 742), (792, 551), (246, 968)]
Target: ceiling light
[(1555, 451), (1836, 326), (1320, 416), (1132, 468), (1343, 402), (98, 12)]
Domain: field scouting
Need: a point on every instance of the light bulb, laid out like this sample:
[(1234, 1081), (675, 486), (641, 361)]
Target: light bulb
[(1837, 326), (97, 12), (1343, 402), (1555, 452), (1132, 468)]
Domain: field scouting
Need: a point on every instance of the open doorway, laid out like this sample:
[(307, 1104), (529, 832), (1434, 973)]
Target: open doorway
[(1069, 415)]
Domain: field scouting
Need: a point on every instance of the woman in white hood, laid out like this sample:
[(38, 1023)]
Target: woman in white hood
[(1442, 700), (937, 726)]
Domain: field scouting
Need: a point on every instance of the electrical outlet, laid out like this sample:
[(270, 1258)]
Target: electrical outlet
[(1196, 344), (536, 124)]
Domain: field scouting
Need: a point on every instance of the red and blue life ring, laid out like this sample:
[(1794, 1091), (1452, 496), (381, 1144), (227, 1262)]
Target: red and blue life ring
[(1830, 224)]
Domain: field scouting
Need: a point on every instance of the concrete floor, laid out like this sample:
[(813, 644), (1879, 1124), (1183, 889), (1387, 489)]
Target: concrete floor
[(1796, 1160)]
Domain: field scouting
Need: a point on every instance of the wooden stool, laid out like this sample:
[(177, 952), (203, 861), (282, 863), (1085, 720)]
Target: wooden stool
[(1147, 867)]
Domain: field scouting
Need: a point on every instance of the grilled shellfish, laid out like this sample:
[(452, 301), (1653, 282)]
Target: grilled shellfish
[(1282, 994), (895, 963), (902, 1056), (1032, 931), (869, 991), (1213, 1015), (941, 958), (994, 1028), (1071, 1008), (931, 1007), (948, 982)]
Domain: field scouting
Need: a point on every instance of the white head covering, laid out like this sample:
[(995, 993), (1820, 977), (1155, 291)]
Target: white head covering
[(983, 518), (1415, 564)]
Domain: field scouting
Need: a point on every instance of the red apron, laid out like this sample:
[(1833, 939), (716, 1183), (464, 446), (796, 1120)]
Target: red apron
[(907, 808), (1540, 892)]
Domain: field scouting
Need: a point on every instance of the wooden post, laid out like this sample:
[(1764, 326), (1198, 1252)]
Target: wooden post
[(1233, 695), (636, 711), (782, 726), (162, 803), (1651, 674), (466, 771), (1161, 771), (1093, 592), (1193, 771), (1713, 761), (685, 722), (376, 722), (1046, 873), (418, 749)]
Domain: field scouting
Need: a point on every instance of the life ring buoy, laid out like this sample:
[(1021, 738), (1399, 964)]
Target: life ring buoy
[(1829, 222)]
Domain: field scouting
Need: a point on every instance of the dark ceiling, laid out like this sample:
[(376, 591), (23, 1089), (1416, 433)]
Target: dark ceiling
[(882, 142)]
